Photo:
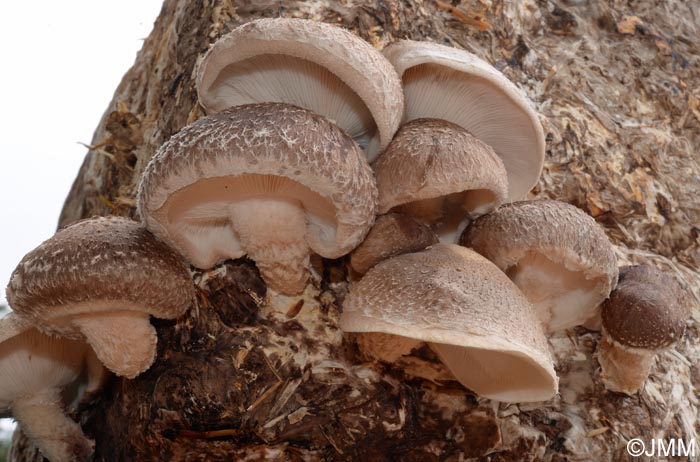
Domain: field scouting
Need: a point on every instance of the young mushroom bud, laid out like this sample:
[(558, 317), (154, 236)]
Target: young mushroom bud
[(644, 315), (100, 279), (392, 234), (272, 181), (34, 368), (442, 82), (439, 174), (313, 65), (556, 254), (465, 309)]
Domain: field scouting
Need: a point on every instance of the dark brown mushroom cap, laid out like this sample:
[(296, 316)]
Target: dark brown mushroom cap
[(430, 158), (648, 309), (560, 231), (104, 259), (268, 139), (392, 234)]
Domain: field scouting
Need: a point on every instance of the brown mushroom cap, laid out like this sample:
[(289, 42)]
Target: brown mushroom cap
[(447, 83), (467, 310), (323, 68), (556, 254), (33, 369), (440, 174), (271, 180), (648, 309), (101, 279), (392, 234)]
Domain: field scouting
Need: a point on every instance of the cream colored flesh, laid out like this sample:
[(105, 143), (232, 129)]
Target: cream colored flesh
[(56, 435), (286, 79), (229, 217), (499, 375), (124, 341), (449, 215), (562, 298), (280, 250), (624, 369)]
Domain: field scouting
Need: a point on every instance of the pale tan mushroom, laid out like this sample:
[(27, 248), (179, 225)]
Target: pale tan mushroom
[(441, 175), (442, 82), (474, 318), (645, 314), (271, 181), (310, 64), (556, 254), (392, 234), (100, 279), (34, 368)]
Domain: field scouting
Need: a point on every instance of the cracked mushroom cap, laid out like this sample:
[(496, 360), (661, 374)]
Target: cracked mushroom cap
[(101, 279), (468, 312), (442, 82), (556, 254), (392, 234), (441, 175), (647, 310), (272, 181), (314, 65), (34, 368)]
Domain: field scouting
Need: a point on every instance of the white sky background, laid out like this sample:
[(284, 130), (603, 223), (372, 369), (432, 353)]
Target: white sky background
[(61, 62)]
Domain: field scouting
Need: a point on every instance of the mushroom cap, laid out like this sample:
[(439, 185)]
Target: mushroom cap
[(471, 93), (648, 309), (431, 158), (31, 362), (94, 265), (392, 234), (329, 174), (464, 307), (561, 241), (356, 69)]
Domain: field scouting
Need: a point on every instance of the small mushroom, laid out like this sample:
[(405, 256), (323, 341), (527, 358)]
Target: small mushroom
[(468, 312), (644, 315), (441, 175), (100, 279), (34, 368), (319, 67), (556, 254), (392, 234), (442, 82), (271, 180)]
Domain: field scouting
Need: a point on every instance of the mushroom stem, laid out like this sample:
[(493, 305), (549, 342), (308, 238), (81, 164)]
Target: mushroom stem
[(58, 437), (125, 341), (624, 369), (273, 232), (385, 347), (425, 210)]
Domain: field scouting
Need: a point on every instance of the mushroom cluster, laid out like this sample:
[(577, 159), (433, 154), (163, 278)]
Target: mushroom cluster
[(310, 134)]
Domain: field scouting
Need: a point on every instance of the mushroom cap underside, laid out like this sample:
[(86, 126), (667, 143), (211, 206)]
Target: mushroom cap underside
[(447, 83), (311, 64)]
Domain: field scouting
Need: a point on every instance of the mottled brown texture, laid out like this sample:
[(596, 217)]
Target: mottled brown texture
[(449, 295), (354, 61), (268, 139), (561, 232), (430, 158), (648, 309), (621, 129), (523, 160), (392, 234), (104, 261)]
